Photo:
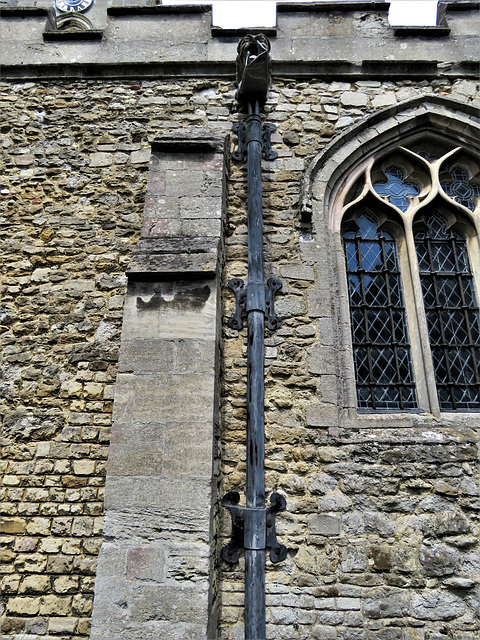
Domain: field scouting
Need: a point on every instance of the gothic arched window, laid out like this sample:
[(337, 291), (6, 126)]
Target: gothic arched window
[(410, 235)]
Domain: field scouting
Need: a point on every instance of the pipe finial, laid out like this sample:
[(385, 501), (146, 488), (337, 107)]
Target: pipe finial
[(253, 69)]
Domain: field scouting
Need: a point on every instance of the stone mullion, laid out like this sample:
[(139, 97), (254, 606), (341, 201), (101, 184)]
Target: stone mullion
[(419, 319)]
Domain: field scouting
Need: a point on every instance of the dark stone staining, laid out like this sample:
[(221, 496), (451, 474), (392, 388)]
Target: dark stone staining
[(194, 298), (381, 558)]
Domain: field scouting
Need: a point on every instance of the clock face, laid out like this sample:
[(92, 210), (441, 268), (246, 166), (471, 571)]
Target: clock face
[(72, 5)]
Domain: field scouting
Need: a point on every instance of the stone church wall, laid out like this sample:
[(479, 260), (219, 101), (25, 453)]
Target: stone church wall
[(382, 517), (382, 514), (74, 171)]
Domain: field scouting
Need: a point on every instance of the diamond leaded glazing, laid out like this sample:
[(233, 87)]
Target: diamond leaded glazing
[(452, 312), (379, 330), (395, 189)]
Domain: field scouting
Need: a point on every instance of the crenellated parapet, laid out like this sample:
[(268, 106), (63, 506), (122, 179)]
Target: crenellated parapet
[(143, 38)]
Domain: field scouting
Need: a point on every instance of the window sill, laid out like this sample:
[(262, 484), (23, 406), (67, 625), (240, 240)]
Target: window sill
[(357, 420)]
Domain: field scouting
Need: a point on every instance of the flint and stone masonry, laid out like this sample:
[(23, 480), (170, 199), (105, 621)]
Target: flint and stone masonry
[(123, 388)]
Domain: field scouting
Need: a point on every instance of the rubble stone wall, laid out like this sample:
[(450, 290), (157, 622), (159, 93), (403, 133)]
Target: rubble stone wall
[(382, 510), (75, 159)]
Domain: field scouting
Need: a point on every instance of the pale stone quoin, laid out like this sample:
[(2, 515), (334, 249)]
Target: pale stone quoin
[(123, 388)]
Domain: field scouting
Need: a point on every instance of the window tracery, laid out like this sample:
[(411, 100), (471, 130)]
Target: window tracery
[(410, 222), (396, 189), (461, 189)]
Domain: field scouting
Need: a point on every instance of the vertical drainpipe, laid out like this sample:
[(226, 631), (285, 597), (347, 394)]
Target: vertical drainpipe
[(253, 526)]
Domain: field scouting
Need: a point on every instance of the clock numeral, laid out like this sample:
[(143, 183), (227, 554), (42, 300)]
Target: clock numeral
[(68, 6)]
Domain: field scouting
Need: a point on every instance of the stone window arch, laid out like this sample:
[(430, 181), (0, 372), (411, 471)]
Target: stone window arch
[(410, 264), (403, 196)]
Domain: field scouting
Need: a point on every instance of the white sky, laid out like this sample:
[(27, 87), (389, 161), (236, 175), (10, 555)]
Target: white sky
[(261, 13)]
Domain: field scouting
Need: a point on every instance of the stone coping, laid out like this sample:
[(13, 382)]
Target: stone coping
[(22, 11), (437, 31), (179, 143), (135, 8), (460, 5), (365, 5), (89, 34), (172, 258)]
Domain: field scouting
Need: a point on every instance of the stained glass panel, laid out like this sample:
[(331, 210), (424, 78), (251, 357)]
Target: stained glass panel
[(395, 189), (461, 189)]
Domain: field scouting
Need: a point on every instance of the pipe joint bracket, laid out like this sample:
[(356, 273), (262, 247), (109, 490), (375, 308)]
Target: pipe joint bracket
[(253, 528), (255, 297)]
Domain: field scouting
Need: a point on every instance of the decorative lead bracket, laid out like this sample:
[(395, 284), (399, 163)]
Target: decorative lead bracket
[(268, 152), (231, 551), (273, 321), (240, 152), (238, 287)]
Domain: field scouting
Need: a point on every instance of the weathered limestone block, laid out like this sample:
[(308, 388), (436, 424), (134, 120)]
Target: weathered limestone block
[(353, 99), (353, 559), (439, 560), (387, 603), (437, 605), (321, 483)]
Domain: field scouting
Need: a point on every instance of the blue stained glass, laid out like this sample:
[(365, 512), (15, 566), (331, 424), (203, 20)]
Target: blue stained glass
[(351, 256), (460, 189), (395, 189), (371, 256), (368, 228)]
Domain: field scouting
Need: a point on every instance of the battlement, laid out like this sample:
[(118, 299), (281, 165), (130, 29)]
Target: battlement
[(143, 38)]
